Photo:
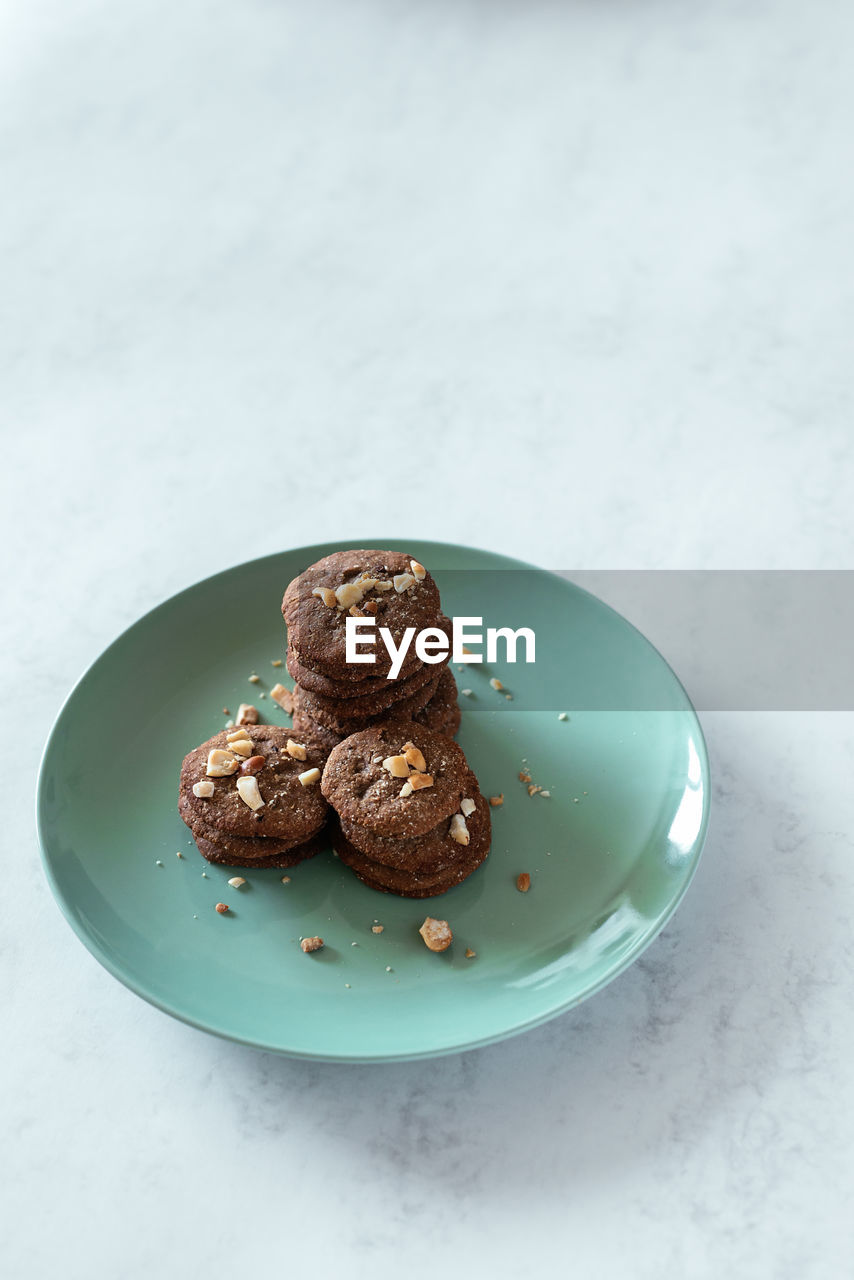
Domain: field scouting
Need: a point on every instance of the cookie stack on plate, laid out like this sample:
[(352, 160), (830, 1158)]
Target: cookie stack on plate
[(251, 797), (334, 698), (411, 819)]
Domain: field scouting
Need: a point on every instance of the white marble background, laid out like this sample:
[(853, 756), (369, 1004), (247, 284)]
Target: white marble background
[(569, 280)]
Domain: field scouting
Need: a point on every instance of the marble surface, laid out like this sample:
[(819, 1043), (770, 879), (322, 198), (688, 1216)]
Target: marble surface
[(571, 281)]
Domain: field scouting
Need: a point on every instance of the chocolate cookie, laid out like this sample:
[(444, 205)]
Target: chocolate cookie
[(363, 791), (407, 884), (348, 715), (434, 852), (322, 740), (364, 580), (442, 712), (228, 851), (290, 811)]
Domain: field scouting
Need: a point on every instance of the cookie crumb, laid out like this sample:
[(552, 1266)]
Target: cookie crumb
[(286, 879), (524, 776), (389, 969), (229, 724), (509, 697), (204, 875), (533, 789), (547, 794), (222, 907), (523, 882), (276, 662), (225, 711), (236, 882), (470, 955), (178, 853), (195, 917), (311, 944), (437, 934), (246, 714), (354, 944), (158, 863), (347, 985), (496, 801), (377, 928), (496, 684), (253, 679), (466, 693), (563, 716)]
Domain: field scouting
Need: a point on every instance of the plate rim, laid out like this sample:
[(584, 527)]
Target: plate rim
[(99, 953)]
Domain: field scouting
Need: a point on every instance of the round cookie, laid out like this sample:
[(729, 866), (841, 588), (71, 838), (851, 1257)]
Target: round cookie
[(291, 811), (316, 630), (406, 884), (351, 714), (242, 846), (362, 791), (226, 852), (432, 853), (442, 713)]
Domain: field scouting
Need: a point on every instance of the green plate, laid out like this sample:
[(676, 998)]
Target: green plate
[(611, 850)]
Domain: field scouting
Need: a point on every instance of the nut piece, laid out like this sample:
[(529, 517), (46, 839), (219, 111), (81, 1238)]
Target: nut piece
[(496, 683), (470, 955), (418, 781), (418, 570), (237, 735), (295, 749), (495, 801), (413, 756), (221, 763), (377, 928), (402, 581), (348, 593), (523, 882), (247, 714), (467, 808), (242, 748), (236, 882), (222, 907), (458, 830), (204, 789), (406, 789), (436, 934), (284, 697), (311, 944), (397, 766), (253, 765), (309, 777), (248, 790), (383, 585), (326, 595)]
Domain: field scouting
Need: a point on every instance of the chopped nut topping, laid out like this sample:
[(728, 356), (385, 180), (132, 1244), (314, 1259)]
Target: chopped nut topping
[(496, 683), (458, 830), (533, 789), (221, 763), (222, 907), (436, 934), (382, 585), (524, 777), (295, 749), (413, 756), (470, 955), (284, 697), (253, 765), (236, 882), (247, 788), (370, 606), (243, 748), (402, 581), (376, 759), (309, 778), (253, 679), (396, 766), (238, 735), (355, 612), (326, 595), (247, 714), (203, 790), (467, 808), (406, 789), (418, 781), (349, 593), (496, 801), (418, 570), (311, 944), (377, 928), (523, 882)]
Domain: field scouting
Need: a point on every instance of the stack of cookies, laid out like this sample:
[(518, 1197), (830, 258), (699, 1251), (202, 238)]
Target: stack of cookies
[(411, 819), (334, 698), (251, 797)]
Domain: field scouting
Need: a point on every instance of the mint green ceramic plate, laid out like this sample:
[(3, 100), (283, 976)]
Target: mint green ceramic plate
[(610, 851)]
